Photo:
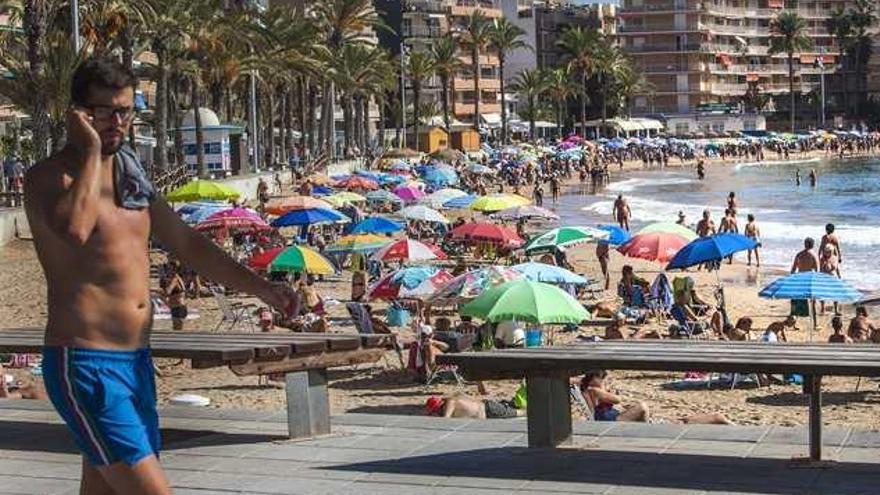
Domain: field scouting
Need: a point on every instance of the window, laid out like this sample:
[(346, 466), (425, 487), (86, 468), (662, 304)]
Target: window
[(641, 102), (212, 148), (682, 128)]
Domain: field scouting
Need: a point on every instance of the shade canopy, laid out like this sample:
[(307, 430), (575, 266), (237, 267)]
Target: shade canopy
[(376, 225), (669, 228), (616, 234), (309, 216), (551, 274), (357, 243), (658, 246), (811, 285), (564, 237), (409, 250), (201, 190), (421, 212), (303, 260), (711, 248), (486, 232)]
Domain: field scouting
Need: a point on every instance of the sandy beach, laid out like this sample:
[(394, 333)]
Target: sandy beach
[(385, 388)]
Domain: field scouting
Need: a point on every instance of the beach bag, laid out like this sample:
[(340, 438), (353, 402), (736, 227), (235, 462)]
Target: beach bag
[(520, 398), (800, 307)]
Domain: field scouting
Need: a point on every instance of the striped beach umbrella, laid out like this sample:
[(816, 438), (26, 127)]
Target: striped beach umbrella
[(669, 228), (811, 285), (563, 237), (409, 250), (303, 260)]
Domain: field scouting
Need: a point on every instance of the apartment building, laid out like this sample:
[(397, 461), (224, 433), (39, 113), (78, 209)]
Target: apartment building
[(417, 24), (702, 52)]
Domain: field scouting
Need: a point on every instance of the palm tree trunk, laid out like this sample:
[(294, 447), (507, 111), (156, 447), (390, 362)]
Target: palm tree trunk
[(312, 118), (604, 99), (324, 130), (285, 125), (583, 100), (559, 123), (346, 118), (227, 105), (174, 106), (200, 135), (217, 97), (367, 137), (791, 87), (531, 118), (503, 100), (161, 158), (444, 101), (475, 56), (270, 117), (417, 96), (35, 24)]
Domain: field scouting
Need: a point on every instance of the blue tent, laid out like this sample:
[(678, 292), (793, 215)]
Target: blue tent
[(376, 225), (308, 216)]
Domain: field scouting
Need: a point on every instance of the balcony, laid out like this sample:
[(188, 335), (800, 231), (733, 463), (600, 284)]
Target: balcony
[(666, 7), (667, 68), (464, 8), (485, 83), (426, 6), (663, 47), (728, 89), (422, 32), (462, 108), (657, 28), (736, 49), (744, 69), (485, 60)]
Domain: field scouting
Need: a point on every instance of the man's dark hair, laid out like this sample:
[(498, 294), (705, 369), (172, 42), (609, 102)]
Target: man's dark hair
[(829, 228), (102, 72), (809, 243)]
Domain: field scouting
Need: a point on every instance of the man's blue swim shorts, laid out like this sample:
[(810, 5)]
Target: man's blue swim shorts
[(108, 400)]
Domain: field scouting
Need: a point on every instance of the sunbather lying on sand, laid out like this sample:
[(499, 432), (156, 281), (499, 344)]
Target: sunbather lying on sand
[(606, 405), (23, 392), (618, 330), (461, 406)]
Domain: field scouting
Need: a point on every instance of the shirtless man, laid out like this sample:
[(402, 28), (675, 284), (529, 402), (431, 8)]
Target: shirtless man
[(860, 327), (777, 328), (602, 254), (706, 226), (752, 231), (806, 260), (731, 201), (92, 211), (460, 406), (829, 264), (621, 212), (831, 238)]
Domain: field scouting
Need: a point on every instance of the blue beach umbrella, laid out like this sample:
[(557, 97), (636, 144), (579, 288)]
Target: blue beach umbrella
[(616, 235), (460, 202), (552, 274), (712, 248), (308, 216), (196, 216), (811, 285), (441, 176), (376, 225), (321, 191), (189, 208)]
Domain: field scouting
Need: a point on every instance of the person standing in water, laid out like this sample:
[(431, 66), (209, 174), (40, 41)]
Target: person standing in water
[(797, 177), (814, 177), (621, 212), (752, 232)]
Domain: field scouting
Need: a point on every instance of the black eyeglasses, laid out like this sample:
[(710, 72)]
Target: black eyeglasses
[(100, 112)]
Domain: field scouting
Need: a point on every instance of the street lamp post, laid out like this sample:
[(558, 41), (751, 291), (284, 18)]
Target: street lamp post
[(74, 24), (402, 94)]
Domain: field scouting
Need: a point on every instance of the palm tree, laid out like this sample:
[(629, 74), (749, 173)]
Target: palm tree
[(475, 38), (578, 46), (840, 27), (444, 51), (789, 36), (531, 84), (560, 87), (419, 67), (35, 17), (630, 81), (609, 62), (862, 17), (504, 37)]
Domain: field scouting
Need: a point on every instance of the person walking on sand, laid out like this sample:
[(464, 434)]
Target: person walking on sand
[(621, 212), (752, 231), (806, 260), (92, 211), (731, 201)]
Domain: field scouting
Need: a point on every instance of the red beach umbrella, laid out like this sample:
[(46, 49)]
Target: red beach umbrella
[(263, 260), (655, 246), (487, 232), (409, 250), (357, 182)]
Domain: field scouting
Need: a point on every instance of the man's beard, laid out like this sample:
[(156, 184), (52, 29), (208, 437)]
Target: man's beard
[(111, 149)]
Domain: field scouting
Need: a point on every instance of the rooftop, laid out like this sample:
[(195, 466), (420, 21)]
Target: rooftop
[(223, 451)]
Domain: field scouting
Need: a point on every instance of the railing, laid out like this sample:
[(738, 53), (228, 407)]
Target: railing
[(666, 47), (463, 84), (422, 32), (728, 88), (749, 69), (653, 28), (662, 7), (659, 68), (438, 6)]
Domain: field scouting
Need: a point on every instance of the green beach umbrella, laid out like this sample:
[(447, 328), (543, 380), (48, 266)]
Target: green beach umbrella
[(564, 237), (301, 259), (669, 228), (202, 189), (527, 301)]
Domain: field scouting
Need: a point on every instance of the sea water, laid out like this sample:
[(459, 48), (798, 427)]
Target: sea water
[(847, 195)]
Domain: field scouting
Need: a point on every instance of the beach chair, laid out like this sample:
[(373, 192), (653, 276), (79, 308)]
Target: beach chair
[(233, 312), (691, 328), (364, 325), (580, 402)]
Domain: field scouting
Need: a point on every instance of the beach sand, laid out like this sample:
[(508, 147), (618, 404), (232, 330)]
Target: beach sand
[(384, 388)]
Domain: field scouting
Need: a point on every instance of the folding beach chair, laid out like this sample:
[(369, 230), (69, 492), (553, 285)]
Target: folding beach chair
[(580, 402), (364, 325), (233, 312), (691, 328)]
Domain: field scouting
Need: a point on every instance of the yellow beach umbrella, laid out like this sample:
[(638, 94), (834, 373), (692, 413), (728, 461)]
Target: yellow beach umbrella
[(343, 198), (202, 189), (498, 202)]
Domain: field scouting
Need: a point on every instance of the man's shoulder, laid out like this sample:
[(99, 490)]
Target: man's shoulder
[(39, 175)]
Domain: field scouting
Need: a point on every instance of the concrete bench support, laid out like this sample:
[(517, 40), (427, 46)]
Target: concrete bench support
[(813, 386), (308, 403), (549, 410)]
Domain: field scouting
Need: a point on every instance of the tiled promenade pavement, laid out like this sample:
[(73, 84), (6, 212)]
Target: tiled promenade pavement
[(222, 451)]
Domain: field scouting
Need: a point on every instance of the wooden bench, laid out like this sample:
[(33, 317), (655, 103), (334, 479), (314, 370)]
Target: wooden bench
[(303, 358), (548, 370)]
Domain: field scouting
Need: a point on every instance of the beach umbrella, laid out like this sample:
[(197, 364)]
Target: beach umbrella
[(421, 212), (234, 218), (563, 237), (657, 246), (319, 179), (416, 281), (262, 260), (309, 216), (358, 243), (202, 189), (303, 260), (190, 208), (616, 235), (376, 225), (527, 211), (321, 191), (409, 250), (551, 274), (460, 202), (401, 167), (498, 202), (343, 198), (441, 176), (475, 282), (383, 196), (486, 232), (669, 228), (283, 205), (437, 198), (202, 213), (409, 193), (476, 168), (357, 182), (811, 286), (528, 301), (712, 248)]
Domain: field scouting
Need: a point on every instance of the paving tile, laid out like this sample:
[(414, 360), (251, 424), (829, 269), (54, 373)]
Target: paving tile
[(726, 433), (645, 430), (869, 439), (27, 485), (653, 490), (703, 448), (800, 436)]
